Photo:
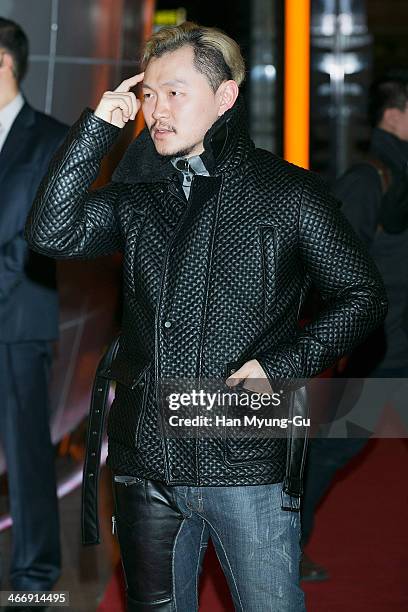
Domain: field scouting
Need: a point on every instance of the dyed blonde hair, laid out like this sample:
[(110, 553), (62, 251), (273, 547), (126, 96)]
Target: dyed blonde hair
[(216, 55)]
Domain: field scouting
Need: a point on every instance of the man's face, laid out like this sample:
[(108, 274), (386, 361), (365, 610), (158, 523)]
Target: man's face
[(179, 105), (403, 124), (395, 121)]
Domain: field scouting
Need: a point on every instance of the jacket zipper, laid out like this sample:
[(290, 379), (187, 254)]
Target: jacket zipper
[(174, 192), (203, 322)]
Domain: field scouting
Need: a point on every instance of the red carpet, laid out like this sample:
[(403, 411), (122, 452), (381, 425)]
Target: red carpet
[(361, 536)]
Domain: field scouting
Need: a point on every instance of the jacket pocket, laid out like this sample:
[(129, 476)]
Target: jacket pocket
[(129, 406), (231, 367), (241, 449), (127, 502), (268, 251), (243, 443)]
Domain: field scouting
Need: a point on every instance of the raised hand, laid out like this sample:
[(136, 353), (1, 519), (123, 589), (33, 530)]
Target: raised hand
[(121, 105)]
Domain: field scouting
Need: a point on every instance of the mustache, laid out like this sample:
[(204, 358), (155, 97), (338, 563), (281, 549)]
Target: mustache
[(156, 125)]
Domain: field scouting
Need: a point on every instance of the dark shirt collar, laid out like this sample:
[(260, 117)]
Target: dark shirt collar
[(390, 149), (192, 165), (226, 147)]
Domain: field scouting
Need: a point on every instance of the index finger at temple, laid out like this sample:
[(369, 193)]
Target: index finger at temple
[(129, 83)]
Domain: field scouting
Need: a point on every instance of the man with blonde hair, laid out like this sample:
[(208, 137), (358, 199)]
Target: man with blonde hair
[(220, 242)]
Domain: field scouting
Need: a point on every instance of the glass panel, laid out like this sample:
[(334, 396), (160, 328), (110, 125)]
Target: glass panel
[(37, 30), (35, 84), (97, 25), (77, 86)]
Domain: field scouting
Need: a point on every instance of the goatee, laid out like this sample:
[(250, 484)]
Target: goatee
[(181, 153)]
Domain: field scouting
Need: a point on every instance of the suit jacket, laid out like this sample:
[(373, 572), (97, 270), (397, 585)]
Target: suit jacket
[(28, 296)]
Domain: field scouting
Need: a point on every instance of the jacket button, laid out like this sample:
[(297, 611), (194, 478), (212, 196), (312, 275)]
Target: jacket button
[(232, 371), (176, 472), (167, 324)]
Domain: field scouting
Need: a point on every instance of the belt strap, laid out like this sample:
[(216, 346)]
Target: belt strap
[(90, 479), (296, 447)]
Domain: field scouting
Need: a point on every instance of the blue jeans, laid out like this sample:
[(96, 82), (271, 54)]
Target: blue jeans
[(256, 541)]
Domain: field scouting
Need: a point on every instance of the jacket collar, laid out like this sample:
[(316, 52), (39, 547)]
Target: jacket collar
[(226, 146), (17, 138), (391, 150)]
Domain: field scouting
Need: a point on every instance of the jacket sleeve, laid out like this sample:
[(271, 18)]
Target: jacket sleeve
[(354, 296), (67, 219), (359, 191), (14, 252)]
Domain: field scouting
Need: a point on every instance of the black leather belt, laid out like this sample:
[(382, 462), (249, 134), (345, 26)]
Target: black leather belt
[(90, 480)]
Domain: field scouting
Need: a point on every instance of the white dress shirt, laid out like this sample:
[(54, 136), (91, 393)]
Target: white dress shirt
[(8, 115)]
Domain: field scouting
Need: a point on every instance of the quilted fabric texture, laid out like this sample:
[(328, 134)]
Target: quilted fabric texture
[(208, 282)]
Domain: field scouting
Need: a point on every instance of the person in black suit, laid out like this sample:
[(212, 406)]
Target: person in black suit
[(28, 326)]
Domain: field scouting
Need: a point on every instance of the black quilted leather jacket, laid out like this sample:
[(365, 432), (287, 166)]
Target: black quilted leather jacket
[(208, 284)]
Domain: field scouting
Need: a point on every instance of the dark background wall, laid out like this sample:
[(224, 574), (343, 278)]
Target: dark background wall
[(388, 22)]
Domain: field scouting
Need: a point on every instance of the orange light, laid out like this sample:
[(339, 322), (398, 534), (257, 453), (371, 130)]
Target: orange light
[(297, 82)]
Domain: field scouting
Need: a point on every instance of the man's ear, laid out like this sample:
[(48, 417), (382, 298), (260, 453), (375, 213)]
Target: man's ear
[(6, 61), (228, 93)]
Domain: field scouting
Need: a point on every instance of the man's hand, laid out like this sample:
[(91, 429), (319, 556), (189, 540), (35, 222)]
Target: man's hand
[(253, 375), (120, 105)]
